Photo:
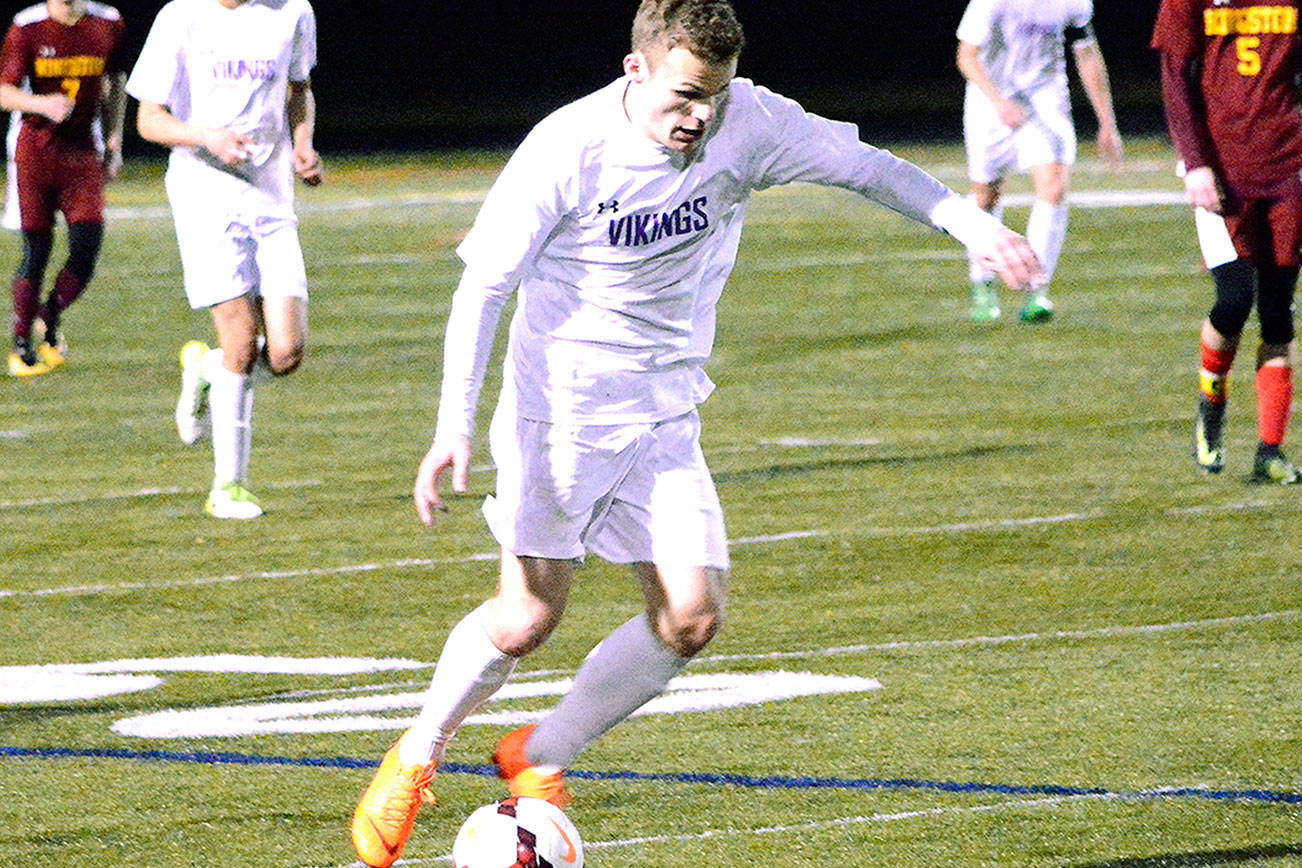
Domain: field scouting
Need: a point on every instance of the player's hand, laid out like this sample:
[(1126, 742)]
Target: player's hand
[(230, 147), (1010, 113), (1013, 260), (56, 106), (1203, 190), (1110, 147), (307, 165), (434, 468)]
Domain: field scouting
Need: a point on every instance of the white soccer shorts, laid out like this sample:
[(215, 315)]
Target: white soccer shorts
[(995, 150), (627, 493), (225, 257)]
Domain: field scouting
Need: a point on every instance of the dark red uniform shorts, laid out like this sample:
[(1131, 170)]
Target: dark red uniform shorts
[(55, 176)]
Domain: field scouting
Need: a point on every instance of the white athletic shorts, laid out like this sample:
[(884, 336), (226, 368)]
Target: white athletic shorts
[(995, 150), (225, 256), (627, 493)]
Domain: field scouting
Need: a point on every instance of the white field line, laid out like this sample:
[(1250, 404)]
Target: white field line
[(766, 539), (132, 495), (811, 826), (1055, 636)]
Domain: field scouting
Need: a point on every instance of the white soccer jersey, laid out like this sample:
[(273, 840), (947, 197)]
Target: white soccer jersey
[(218, 67), (620, 249), (1021, 42)]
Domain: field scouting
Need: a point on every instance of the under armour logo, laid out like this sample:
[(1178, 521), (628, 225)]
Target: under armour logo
[(603, 207)]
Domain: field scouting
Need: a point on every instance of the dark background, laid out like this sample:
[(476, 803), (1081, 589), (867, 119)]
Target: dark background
[(478, 73)]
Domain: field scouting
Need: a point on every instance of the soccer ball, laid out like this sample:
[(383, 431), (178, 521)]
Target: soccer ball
[(518, 833)]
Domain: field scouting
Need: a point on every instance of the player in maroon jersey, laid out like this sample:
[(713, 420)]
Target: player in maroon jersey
[(1232, 107), (62, 67)]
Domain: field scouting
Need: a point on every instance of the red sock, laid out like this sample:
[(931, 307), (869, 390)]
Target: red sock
[(26, 298), (1274, 402), (1213, 379)]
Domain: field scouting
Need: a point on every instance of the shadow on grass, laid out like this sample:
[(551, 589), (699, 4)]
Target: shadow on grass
[(1206, 859), (775, 471)]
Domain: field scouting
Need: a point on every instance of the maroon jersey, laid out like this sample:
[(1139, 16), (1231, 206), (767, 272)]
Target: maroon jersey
[(50, 57), (1228, 83)]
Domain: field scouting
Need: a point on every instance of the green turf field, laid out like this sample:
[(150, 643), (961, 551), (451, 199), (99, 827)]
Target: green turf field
[(1019, 628)]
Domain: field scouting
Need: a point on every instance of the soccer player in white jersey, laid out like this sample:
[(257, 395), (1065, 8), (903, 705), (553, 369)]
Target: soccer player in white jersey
[(225, 84), (1017, 117), (618, 220)]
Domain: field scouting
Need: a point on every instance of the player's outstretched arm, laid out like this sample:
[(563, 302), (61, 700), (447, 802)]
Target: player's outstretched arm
[(434, 468)]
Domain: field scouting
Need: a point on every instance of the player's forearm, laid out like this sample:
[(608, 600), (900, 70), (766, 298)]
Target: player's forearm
[(15, 99), (113, 110), (969, 64), (1094, 78), (158, 125), (472, 326), (300, 112)]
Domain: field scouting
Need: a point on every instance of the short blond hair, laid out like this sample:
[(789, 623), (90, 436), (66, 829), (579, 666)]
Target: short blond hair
[(707, 28)]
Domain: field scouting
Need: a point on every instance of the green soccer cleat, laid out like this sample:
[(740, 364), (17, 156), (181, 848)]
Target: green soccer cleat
[(1271, 468), (231, 500), (1209, 450), (192, 405), (985, 301), (1037, 309)]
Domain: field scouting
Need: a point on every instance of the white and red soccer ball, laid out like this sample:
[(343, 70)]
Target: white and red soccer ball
[(518, 833)]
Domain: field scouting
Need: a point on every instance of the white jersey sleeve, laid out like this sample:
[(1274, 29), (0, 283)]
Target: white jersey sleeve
[(811, 149), (520, 213), (977, 24), (303, 56), (157, 72)]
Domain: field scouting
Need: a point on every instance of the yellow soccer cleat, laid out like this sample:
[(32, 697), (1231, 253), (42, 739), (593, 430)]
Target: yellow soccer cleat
[(53, 355), (523, 779), (387, 810), (231, 500), (24, 362), (192, 405)]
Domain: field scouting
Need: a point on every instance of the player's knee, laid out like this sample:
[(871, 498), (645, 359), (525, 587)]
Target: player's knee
[(687, 634), (520, 627), (1234, 294), (283, 360)]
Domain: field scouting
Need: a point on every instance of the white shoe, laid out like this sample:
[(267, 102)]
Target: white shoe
[(191, 408), (231, 500)]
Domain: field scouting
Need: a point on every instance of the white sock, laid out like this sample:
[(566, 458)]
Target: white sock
[(1045, 231), (626, 671), (469, 671), (975, 270), (230, 401)]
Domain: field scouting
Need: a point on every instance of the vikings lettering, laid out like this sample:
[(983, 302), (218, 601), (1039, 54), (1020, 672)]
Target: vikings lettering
[(257, 70), (635, 230)]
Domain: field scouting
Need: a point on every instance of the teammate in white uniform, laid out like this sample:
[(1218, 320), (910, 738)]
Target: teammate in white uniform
[(618, 221), (225, 84), (1017, 117)]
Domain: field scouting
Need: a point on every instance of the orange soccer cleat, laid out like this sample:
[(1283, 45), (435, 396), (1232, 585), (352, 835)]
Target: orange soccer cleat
[(387, 810), (523, 779)]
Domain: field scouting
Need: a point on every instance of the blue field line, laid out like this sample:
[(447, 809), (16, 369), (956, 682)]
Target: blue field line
[(774, 782)]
